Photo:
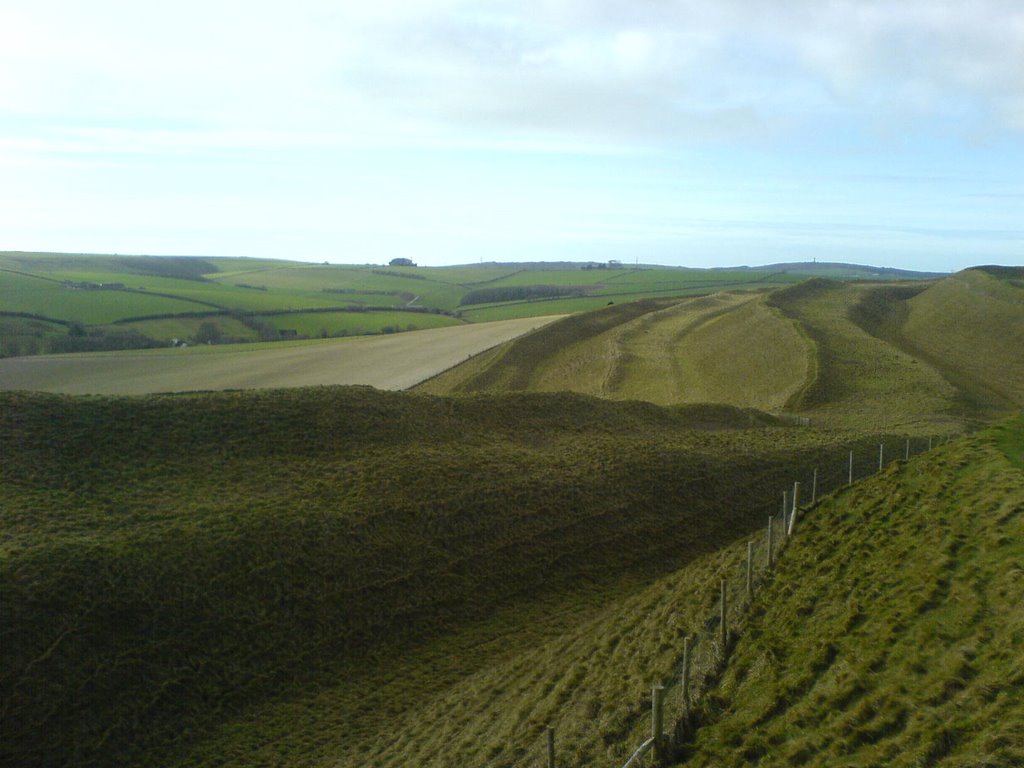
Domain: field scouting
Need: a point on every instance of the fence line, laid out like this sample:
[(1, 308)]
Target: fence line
[(703, 663)]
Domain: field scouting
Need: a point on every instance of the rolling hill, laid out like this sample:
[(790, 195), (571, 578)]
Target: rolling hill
[(173, 562), (918, 357), (345, 576), (52, 302)]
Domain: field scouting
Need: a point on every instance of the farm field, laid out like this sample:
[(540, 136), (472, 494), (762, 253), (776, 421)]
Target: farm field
[(394, 361)]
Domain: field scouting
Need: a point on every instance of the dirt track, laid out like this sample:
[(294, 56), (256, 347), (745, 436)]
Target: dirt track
[(387, 362)]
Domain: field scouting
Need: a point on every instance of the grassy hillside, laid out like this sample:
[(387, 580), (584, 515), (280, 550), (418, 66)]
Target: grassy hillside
[(971, 327), (862, 379), (908, 356), (891, 632), (725, 348), (168, 563)]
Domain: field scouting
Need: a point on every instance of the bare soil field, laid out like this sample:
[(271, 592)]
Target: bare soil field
[(394, 361)]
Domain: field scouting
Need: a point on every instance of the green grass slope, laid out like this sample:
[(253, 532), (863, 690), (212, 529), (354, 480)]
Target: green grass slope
[(580, 660), (723, 348), (971, 327), (519, 365), (750, 356), (912, 357), (169, 563), (891, 632), (862, 381)]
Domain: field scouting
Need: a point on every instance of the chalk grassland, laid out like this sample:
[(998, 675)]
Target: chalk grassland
[(845, 355), (972, 328), (388, 362), (848, 660), (861, 378), (173, 564), (726, 348)]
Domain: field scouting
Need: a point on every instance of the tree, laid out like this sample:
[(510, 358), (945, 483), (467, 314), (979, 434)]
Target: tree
[(401, 262), (208, 333)]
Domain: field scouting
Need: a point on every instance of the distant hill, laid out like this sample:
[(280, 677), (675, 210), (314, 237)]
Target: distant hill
[(915, 355), (842, 271)]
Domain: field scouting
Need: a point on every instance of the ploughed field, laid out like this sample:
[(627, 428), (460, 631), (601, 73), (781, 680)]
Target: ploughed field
[(394, 361)]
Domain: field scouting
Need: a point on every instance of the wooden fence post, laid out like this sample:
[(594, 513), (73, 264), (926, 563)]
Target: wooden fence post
[(750, 570), (658, 722), (686, 676), (770, 541), (814, 487), (907, 456), (851, 468), (724, 629), (881, 454), (785, 510), (551, 747), (929, 442), (796, 503)]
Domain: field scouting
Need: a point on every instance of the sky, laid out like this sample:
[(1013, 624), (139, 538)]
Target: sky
[(694, 133)]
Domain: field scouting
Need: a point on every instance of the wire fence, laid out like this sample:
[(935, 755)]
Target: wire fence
[(672, 711)]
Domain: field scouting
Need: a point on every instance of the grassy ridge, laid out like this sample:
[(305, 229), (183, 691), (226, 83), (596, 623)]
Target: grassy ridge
[(862, 379), (515, 367), (167, 562), (666, 351), (971, 327), (916, 357), (743, 354), (852, 661)]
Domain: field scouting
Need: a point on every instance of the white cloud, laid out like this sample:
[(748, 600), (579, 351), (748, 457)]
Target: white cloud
[(602, 70)]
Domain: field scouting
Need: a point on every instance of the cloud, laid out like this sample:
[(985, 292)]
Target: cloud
[(603, 71)]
